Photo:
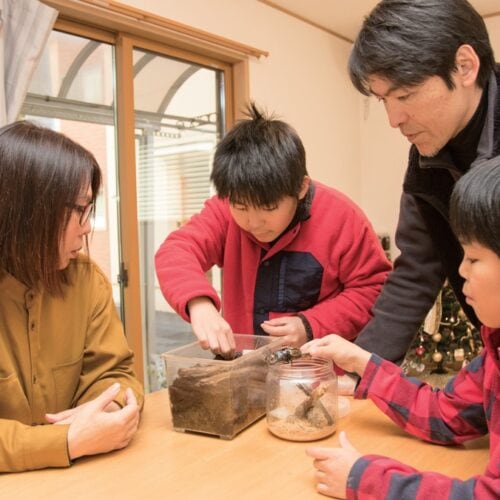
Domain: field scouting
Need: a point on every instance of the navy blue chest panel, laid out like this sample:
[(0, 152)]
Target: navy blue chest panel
[(287, 282)]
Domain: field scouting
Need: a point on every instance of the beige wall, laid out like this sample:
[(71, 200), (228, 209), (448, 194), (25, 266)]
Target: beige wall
[(493, 25), (384, 152), (304, 80)]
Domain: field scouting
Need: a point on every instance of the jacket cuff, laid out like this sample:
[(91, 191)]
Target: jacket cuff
[(354, 477), (363, 387), (46, 446), (307, 326)]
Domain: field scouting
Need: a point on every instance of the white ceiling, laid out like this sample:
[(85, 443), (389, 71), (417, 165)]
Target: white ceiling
[(344, 17)]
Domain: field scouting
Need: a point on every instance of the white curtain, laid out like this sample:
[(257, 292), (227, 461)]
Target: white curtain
[(25, 26)]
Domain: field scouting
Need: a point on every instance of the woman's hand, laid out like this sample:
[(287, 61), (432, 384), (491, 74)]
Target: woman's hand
[(94, 429), (67, 416)]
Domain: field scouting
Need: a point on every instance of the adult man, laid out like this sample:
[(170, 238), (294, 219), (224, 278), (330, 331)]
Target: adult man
[(431, 63)]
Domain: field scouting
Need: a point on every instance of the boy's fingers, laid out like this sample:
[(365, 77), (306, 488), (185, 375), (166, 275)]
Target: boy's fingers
[(274, 322), (344, 442), (224, 345), (275, 330), (320, 453)]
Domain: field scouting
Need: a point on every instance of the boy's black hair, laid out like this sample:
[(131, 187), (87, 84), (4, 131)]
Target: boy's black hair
[(259, 161), (475, 206), (407, 41)]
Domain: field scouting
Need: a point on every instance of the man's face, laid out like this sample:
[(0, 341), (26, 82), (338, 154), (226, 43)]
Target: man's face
[(428, 114)]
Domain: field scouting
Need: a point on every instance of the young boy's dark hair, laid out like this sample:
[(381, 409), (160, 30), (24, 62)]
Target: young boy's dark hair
[(407, 41), (475, 206), (259, 161)]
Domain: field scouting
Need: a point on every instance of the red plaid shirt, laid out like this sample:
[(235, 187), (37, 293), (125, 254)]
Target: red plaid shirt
[(469, 407)]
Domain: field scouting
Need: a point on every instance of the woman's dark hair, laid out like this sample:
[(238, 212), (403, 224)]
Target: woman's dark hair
[(407, 41), (475, 206), (42, 173), (259, 161)]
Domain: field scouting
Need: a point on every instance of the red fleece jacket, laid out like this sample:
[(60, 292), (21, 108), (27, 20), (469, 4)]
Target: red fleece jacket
[(330, 266)]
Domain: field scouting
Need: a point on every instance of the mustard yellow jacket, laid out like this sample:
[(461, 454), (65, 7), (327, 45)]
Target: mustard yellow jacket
[(56, 353)]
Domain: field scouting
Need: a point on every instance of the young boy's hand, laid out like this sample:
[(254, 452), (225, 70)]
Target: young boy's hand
[(211, 329), (290, 328), (344, 353), (333, 466)]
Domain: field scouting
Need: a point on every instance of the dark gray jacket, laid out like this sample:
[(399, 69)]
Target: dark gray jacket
[(430, 253)]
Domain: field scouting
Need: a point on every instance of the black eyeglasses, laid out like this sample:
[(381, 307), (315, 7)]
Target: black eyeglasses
[(84, 211)]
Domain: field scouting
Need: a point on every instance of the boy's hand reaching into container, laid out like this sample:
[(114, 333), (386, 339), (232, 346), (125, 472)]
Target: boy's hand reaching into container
[(211, 329)]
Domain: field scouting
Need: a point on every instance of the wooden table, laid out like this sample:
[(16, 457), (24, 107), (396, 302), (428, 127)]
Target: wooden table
[(163, 464)]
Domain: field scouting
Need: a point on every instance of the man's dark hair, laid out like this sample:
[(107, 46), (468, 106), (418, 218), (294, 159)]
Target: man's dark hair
[(407, 41), (475, 206), (259, 161), (42, 174)]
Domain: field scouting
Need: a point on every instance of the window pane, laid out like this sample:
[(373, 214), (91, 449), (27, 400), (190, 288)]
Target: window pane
[(177, 111), (72, 92)]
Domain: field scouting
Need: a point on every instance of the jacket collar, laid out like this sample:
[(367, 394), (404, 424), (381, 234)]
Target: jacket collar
[(13, 289), (486, 145)]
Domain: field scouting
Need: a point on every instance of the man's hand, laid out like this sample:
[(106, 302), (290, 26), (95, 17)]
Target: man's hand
[(344, 353), (333, 466), (289, 328), (94, 429), (211, 329)]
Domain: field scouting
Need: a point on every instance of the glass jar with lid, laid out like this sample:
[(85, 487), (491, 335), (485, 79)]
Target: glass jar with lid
[(301, 399)]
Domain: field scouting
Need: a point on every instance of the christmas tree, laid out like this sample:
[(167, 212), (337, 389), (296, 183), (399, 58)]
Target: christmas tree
[(445, 341)]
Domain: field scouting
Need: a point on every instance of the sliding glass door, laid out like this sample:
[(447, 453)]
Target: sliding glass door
[(178, 110)]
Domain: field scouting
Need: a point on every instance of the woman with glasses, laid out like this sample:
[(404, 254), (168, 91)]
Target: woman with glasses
[(67, 387)]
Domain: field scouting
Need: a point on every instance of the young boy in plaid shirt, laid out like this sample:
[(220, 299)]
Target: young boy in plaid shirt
[(469, 406)]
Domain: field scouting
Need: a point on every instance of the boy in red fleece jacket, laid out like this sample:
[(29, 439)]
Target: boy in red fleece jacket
[(467, 408), (300, 259)]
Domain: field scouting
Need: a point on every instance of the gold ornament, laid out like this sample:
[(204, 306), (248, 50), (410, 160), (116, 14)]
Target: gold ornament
[(437, 337), (437, 356)]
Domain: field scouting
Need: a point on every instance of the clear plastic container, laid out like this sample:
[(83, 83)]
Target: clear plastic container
[(302, 399), (215, 396)]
